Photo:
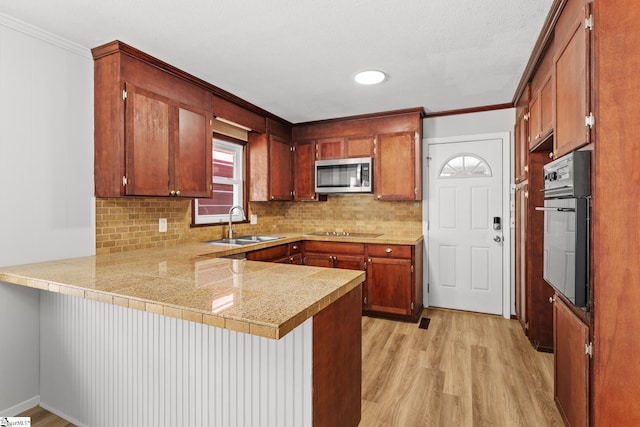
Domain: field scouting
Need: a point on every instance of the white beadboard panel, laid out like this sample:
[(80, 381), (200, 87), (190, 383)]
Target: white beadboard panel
[(104, 365), (19, 356)]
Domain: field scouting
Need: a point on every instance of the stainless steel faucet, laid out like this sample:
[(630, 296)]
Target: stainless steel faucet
[(230, 220)]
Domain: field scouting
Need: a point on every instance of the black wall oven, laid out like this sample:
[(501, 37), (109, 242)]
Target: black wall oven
[(567, 194)]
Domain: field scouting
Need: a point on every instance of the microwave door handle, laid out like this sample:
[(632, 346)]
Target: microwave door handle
[(359, 174)]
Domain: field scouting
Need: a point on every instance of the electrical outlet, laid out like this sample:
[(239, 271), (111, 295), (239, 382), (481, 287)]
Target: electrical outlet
[(253, 219), (162, 225)]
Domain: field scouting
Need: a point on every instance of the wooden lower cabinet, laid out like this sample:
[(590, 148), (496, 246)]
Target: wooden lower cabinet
[(289, 253), (571, 364), (393, 286), (394, 281)]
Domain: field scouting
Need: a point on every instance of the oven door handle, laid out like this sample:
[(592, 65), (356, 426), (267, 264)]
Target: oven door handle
[(556, 188), (538, 208)]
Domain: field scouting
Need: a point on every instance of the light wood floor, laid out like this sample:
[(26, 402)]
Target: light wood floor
[(467, 369)]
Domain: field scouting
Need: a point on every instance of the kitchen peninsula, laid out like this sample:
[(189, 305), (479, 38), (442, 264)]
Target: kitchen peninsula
[(183, 334)]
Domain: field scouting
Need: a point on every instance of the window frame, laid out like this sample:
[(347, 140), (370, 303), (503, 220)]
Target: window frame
[(222, 219)]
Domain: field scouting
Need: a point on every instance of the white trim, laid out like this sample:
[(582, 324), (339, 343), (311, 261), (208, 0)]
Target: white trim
[(506, 209), (39, 33), (20, 407)]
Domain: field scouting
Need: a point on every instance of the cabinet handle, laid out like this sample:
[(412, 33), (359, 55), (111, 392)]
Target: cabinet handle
[(526, 168), (388, 250)]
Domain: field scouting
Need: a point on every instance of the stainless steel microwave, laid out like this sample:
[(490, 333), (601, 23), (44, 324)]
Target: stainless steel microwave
[(344, 175)]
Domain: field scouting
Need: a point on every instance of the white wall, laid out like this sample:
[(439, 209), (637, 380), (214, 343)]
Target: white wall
[(486, 122), (46, 170), (470, 124)]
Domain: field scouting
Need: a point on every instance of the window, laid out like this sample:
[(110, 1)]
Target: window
[(228, 185), (465, 166)]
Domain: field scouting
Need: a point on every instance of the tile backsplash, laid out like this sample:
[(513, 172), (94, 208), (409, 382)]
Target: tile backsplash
[(129, 223)]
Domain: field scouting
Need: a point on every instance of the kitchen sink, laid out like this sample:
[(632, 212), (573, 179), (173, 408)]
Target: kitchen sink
[(244, 240)]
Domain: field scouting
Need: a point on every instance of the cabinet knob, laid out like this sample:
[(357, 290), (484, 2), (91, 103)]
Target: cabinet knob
[(551, 155), (379, 196), (551, 299), (388, 250), (178, 193), (295, 248), (172, 193), (272, 198)]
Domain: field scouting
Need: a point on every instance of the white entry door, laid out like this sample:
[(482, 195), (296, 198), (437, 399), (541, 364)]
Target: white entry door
[(464, 248)]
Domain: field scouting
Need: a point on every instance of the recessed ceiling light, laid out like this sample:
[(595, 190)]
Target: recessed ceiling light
[(370, 77)]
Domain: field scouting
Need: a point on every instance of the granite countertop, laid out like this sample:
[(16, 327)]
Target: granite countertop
[(192, 282)]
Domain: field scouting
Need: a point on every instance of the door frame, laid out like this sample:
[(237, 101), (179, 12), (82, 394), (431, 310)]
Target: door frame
[(507, 222)]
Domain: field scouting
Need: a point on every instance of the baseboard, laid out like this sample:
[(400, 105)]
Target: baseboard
[(20, 407), (62, 415)]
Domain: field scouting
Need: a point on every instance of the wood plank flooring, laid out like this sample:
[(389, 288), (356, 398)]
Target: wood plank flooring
[(40, 417), (466, 369)]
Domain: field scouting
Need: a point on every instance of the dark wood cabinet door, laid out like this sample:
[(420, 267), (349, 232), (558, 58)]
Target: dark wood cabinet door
[(304, 157), (279, 168), (521, 147), (147, 135), (571, 365), (318, 260), (546, 107), (191, 166), (358, 146), (330, 148), (348, 262), (535, 131), (395, 167), (168, 147), (572, 86), (389, 286)]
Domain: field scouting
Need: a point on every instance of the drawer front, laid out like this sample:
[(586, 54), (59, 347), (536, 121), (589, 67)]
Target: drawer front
[(334, 247), (389, 251), (268, 254)]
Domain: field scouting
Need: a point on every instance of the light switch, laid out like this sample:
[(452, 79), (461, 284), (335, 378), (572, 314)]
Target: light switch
[(162, 225), (253, 219)]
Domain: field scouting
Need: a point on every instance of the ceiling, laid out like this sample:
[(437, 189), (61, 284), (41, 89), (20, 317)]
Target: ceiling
[(297, 58)]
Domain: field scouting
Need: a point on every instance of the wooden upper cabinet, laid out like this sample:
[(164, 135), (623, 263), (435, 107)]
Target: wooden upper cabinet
[(152, 127), (304, 156), (330, 148), (270, 163), (571, 66), (345, 147), (396, 170), (521, 138), (541, 104), (280, 168), (166, 147)]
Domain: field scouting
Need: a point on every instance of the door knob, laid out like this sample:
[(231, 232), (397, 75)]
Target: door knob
[(497, 239)]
